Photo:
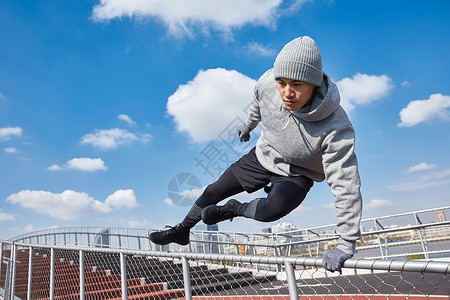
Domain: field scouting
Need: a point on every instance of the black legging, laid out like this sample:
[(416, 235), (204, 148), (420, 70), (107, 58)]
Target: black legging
[(226, 186), (283, 198)]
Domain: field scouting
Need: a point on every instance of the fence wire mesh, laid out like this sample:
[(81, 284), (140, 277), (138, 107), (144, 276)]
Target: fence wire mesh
[(5, 258), (55, 274)]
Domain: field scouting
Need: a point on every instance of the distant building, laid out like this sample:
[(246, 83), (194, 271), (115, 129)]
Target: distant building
[(327, 233), (102, 239), (214, 227), (283, 227), (288, 233), (202, 227), (440, 216), (267, 230), (206, 234)]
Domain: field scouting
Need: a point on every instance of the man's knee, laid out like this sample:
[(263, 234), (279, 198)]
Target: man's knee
[(268, 211), (283, 199), (209, 196), (209, 191), (268, 217)]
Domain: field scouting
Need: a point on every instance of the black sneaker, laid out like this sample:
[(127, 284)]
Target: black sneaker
[(213, 214), (177, 234)]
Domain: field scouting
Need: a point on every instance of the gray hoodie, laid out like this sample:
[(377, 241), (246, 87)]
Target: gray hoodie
[(318, 141)]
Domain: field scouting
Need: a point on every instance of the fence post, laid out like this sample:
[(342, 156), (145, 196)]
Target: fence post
[(30, 272), (13, 271), (309, 244), (139, 239), (386, 244), (1, 259), (292, 284), (123, 275), (7, 279), (423, 242), (52, 273), (82, 288), (186, 279)]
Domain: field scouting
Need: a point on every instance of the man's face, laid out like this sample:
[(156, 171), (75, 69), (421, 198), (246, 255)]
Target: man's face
[(295, 94)]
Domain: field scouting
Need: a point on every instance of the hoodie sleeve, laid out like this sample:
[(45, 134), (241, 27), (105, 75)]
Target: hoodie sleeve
[(254, 113), (341, 171)]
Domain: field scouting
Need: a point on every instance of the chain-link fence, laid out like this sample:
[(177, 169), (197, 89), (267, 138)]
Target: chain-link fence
[(58, 272)]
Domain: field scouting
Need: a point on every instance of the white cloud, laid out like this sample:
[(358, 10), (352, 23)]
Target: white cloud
[(417, 185), (28, 228), (5, 216), (183, 17), (87, 164), (70, 205), (421, 167), (126, 119), (261, 50), (7, 132), (406, 84), (122, 198), (330, 205), (192, 194), (418, 111), (169, 202), (108, 139), (363, 89), (378, 203), (436, 175), (10, 150), (205, 106), (56, 168), (185, 198), (128, 49), (423, 181), (82, 164), (2, 97), (295, 5)]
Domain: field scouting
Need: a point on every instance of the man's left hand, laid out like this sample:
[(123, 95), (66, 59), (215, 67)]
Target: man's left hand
[(334, 259), (243, 133)]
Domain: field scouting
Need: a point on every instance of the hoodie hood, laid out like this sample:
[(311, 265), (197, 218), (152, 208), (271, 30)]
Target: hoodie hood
[(325, 102)]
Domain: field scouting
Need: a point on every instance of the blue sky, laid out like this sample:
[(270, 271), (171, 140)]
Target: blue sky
[(117, 113)]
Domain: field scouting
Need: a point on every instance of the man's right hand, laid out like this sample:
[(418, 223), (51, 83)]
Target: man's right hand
[(334, 259), (243, 133)]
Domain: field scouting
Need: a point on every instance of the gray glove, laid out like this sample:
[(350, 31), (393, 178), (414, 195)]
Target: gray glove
[(243, 133), (334, 259)]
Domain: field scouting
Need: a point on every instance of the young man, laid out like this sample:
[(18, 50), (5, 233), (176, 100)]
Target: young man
[(306, 136)]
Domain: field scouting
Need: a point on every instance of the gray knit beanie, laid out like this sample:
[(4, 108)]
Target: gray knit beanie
[(300, 59)]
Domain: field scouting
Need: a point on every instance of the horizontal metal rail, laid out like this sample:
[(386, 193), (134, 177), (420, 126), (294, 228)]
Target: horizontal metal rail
[(369, 264), (381, 231)]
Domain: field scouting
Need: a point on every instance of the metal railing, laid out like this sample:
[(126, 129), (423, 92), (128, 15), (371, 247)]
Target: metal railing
[(419, 234), (50, 272), (114, 263)]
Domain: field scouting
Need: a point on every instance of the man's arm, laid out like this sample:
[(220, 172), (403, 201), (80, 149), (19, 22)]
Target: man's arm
[(254, 113), (341, 171), (254, 117)]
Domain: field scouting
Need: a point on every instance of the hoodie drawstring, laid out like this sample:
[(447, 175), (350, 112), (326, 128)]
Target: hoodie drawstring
[(287, 123)]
